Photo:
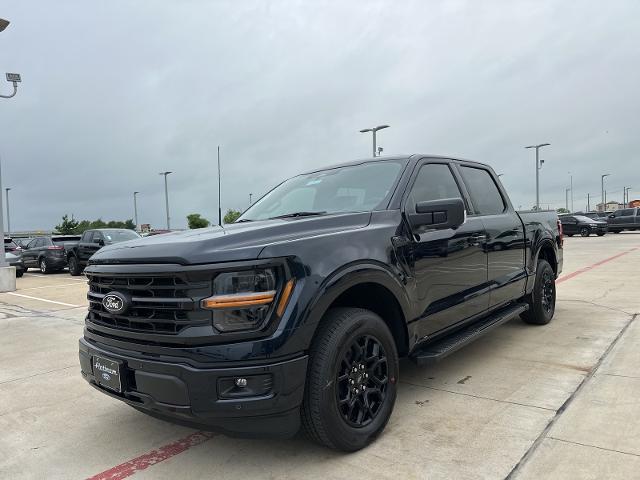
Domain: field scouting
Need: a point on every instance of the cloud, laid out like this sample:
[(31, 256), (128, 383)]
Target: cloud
[(114, 93)]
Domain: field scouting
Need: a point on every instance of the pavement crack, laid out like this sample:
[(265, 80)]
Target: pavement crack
[(37, 374), (544, 434), (477, 396), (594, 446), (595, 304)]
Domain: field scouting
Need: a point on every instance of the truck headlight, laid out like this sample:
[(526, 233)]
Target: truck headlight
[(244, 300)]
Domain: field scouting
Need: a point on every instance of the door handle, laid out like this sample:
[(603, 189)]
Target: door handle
[(478, 238)]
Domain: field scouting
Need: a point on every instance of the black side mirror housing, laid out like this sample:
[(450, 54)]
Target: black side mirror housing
[(99, 241), (438, 214)]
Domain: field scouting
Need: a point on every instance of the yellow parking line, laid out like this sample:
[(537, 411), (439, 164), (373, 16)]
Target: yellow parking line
[(43, 299)]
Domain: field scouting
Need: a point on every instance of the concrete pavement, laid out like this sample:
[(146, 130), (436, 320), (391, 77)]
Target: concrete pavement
[(559, 401)]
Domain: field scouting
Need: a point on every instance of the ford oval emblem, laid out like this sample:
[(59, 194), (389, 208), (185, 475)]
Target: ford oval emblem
[(115, 302), (106, 376)]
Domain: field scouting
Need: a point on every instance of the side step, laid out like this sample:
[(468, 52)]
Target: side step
[(434, 352)]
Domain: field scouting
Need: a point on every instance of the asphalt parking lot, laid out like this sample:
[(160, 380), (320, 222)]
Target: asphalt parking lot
[(559, 401)]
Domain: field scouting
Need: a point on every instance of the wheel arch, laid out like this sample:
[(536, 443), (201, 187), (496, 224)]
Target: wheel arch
[(370, 286)]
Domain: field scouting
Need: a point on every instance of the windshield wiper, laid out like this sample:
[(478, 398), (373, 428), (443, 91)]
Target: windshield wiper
[(298, 214), (243, 220)]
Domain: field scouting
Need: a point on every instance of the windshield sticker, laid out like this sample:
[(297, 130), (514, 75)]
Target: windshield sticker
[(313, 182)]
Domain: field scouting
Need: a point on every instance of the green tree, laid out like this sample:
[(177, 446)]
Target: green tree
[(231, 216), (562, 210), (67, 226), (195, 220)]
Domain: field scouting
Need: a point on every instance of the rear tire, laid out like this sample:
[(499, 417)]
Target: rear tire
[(19, 273), (600, 234), (74, 266), (351, 380), (44, 269), (585, 232), (542, 301)]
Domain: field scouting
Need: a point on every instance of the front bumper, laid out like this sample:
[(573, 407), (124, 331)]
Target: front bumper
[(192, 396)]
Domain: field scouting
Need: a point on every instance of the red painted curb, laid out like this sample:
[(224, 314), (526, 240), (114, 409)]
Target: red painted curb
[(142, 462)]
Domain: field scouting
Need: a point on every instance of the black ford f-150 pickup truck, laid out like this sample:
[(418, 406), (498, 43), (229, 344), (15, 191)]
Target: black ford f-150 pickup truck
[(298, 312), (79, 253)]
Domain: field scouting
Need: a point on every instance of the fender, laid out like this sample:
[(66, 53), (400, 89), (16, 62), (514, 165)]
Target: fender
[(347, 276)]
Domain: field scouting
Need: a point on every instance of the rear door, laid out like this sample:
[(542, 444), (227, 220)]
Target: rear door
[(569, 225), (449, 266), (505, 242)]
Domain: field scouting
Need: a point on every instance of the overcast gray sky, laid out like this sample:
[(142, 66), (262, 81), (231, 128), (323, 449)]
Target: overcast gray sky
[(115, 92)]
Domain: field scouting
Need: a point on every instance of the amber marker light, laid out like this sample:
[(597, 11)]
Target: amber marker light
[(239, 300), (284, 299)]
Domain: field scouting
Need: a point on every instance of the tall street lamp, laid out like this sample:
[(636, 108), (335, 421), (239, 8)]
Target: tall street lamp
[(7, 274), (571, 187), (625, 196), (166, 197), (538, 167), (604, 200), (8, 213), (135, 210), (374, 130)]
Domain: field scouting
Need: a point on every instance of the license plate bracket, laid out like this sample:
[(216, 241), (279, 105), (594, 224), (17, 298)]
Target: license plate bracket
[(108, 373)]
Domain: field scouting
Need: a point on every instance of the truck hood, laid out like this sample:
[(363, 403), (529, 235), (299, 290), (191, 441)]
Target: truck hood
[(234, 242)]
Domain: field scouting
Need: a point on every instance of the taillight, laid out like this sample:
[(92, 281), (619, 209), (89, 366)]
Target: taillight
[(560, 232)]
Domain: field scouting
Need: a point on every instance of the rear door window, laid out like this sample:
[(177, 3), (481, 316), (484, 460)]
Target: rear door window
[(485, 196), (87, 237)]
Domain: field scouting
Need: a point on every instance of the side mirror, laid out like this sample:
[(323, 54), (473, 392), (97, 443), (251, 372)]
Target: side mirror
[(438, 214), (99, 241)]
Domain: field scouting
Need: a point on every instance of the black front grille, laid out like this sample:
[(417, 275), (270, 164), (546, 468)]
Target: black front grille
[(160, 304)]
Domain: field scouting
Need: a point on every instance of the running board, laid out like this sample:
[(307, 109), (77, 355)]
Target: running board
[(434, 352)]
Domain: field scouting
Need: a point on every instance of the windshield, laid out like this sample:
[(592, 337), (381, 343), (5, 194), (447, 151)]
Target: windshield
[(115, 236), (355, 188), (62, 240)]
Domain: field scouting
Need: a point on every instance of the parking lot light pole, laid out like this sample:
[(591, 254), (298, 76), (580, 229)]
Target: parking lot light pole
[(538, 167), (571, 187), (374, 131), (603, 198), (625, 196), (166, 198), (135, 210), (8, 213), (566, 198)]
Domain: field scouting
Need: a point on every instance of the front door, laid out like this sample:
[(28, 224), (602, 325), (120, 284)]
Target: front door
[(449, 266)]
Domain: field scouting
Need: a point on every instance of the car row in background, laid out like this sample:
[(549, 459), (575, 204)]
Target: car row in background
[(600, 222), (53, 253)]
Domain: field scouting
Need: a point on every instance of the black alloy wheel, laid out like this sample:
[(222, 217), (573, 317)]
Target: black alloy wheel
[(542, 300), (362, 381), (585, 232), (352, 379)]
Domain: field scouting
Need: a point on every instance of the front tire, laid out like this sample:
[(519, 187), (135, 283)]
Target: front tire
[(351, 380), (600, 234), (542, 301), (585, 232)]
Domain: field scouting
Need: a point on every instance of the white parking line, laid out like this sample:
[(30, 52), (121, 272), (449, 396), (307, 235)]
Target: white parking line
[(43, 299), (83, 279), (50, 286)]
